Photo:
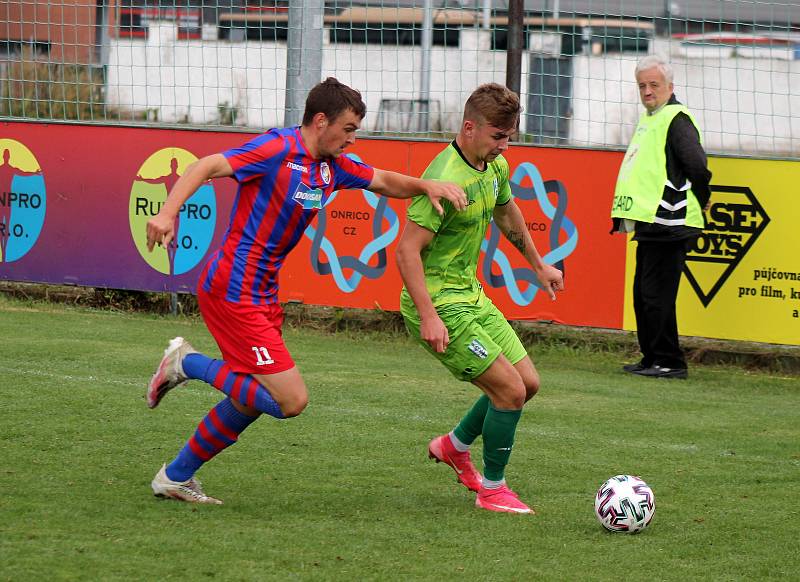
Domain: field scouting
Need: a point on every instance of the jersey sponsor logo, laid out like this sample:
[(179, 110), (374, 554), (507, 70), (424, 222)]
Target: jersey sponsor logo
[(22, 200), (325, 172), (308, 198), (348, 271), (734, 223), (298, 167), (477, 348), (197, 218)]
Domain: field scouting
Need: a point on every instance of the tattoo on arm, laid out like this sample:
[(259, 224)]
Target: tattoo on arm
[(517, 239)]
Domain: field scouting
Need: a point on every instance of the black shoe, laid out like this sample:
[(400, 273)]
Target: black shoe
[(634, 367), (660, 372)]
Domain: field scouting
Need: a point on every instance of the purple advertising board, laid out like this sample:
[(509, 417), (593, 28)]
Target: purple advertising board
[(110, 180)]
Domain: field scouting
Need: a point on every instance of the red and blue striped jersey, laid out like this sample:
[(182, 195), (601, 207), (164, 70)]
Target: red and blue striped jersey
[(281, 189)]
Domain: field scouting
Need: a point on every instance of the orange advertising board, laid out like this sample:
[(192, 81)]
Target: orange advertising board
[(347, 256)]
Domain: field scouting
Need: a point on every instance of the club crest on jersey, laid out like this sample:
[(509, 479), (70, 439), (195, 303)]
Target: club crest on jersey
[(477, 348), (308, 198), (325, 173), (495, 188)]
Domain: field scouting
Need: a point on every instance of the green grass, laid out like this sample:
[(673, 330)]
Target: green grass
[(345, 491)]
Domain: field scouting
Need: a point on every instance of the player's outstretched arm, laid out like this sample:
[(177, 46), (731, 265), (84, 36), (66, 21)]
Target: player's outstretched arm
[(409, 263), (161, 228), (509, 219), (395, 185)]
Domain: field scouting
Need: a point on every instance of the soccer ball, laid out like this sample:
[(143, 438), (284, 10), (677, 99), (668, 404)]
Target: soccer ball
[(624, 504)]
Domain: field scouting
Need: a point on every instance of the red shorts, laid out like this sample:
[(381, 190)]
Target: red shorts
[(249, 336)]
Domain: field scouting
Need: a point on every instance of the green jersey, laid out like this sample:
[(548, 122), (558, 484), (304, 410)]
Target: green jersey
[(450, 261)]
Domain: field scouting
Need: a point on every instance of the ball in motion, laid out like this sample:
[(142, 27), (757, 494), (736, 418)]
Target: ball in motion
[(625, 504)]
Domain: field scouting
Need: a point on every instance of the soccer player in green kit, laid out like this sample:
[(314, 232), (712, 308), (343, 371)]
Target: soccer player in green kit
[(443, 303)]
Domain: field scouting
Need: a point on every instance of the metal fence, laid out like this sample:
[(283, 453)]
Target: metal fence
[(223, 63)]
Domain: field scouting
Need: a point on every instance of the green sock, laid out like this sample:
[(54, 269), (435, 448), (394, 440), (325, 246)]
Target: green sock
[(499, 429), (471, 426)]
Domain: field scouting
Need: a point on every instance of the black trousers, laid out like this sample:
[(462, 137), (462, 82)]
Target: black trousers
[(655, 289)]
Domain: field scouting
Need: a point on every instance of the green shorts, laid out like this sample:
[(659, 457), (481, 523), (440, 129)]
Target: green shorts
[(478, 332)]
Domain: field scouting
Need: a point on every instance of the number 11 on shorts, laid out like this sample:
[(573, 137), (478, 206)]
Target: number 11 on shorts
[(262, 356)]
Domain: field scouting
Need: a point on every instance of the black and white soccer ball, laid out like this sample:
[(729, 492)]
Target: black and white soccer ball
[(625, 504)]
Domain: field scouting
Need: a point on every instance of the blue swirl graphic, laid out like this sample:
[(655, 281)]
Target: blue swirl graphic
[(360, 265), (510, 277)]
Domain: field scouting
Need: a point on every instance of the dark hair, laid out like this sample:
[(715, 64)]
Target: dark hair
[(332, 98), (495, 104)]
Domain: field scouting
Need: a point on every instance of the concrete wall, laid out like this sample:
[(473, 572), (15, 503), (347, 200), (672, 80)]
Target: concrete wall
[(186, 81), (743, 105)]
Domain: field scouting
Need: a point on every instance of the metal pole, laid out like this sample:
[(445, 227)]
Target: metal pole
[(516, 29), (668, 17), (104, 24), (303, 56), (425, 67), (487, 14)]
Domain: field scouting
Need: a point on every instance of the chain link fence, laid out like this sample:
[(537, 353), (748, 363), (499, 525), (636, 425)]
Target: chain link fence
[(223, 63)]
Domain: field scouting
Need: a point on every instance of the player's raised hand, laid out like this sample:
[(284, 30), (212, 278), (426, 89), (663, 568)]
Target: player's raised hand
[(438, 191), (433, 331), (552, 280), (161, 230)]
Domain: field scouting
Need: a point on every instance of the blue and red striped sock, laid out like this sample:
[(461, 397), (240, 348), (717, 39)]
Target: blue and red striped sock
[(218, 430), (241, 387)]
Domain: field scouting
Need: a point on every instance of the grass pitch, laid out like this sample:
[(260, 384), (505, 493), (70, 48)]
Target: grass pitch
[(345, 491)]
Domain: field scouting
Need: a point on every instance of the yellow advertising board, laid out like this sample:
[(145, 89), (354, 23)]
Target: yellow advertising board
[(742, 278)]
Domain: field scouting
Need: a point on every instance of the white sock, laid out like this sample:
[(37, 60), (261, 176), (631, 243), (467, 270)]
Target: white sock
[(459, 446), (493, 484)]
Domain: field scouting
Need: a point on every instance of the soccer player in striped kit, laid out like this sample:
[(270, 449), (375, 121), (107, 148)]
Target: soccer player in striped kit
[(285, 176)]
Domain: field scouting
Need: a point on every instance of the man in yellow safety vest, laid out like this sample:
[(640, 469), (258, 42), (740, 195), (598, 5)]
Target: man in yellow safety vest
[(661, 192)]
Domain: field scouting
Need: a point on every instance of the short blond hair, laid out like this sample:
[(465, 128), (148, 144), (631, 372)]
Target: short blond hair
[(494, 104)]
